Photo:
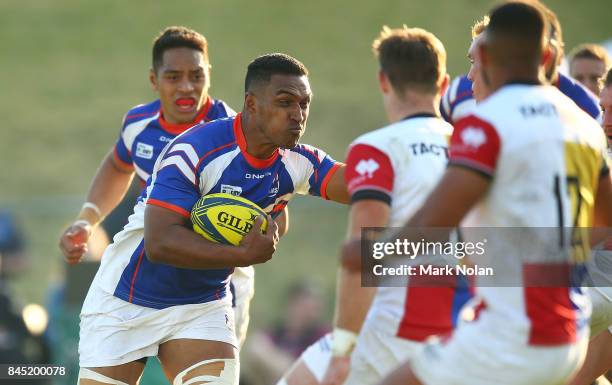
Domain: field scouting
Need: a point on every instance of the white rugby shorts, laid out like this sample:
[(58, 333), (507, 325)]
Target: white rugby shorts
[(115, 332), (476, 355), (377, 352), (317, 356)]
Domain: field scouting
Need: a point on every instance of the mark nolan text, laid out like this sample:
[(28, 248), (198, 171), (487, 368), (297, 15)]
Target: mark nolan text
[(407, 270)]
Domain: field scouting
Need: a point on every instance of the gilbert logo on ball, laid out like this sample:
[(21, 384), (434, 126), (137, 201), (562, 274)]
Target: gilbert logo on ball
[(225, 218)]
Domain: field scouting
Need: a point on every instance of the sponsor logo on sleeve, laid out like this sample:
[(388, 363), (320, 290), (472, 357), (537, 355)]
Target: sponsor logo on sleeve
[(367, 167), (473, 137)]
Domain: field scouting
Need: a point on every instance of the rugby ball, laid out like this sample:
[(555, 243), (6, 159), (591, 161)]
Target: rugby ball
[(225, 218)]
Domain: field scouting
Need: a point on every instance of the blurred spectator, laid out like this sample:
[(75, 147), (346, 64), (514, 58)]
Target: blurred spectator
[(13, 258), (270, 352), (20, 341), (587, 64)]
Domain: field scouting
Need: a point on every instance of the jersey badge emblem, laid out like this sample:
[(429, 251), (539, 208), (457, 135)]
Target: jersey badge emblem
[(229, 189), (144, 150), (473, 137)]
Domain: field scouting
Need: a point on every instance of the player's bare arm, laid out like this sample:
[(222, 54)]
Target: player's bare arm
[(352, 300), (597, 361), (351, 308), (603, 202), (169, 239), (336, 188), (108, 188), (602, 220), (110, 184)]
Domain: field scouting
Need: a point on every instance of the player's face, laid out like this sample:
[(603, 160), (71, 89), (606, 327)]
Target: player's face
[(606, 105), (588, 72), (182, 82), (282, 109), (479, 88)]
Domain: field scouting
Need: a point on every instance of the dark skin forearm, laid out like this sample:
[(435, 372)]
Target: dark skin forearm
[(336, 188), (169, 239)]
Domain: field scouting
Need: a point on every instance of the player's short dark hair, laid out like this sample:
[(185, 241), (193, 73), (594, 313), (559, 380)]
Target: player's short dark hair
[(590, 51), (517, 33), (263, 67), (177, 37), (411, 58)]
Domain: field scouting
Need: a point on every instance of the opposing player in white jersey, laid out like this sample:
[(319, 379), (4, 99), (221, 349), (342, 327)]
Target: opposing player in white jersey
[(524, 159), (163, 290), (390, 172), (600, 292)]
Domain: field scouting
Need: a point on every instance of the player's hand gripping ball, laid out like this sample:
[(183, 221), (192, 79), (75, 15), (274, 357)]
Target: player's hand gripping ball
[(225, 218)]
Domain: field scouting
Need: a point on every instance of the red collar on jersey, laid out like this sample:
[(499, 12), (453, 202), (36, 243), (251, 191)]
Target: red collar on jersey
[(253, 161), (176, 129)]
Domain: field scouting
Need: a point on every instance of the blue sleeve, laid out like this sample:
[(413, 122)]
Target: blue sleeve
[(580, 95), (318, 181), (323, 167), (121, 152)]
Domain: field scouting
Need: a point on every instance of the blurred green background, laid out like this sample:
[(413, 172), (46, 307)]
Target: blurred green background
[(71, 69)]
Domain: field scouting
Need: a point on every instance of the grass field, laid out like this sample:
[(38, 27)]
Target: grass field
[(71, 69)]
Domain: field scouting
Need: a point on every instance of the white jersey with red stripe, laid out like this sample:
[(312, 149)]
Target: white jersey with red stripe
[(544, 156), (401, 164)]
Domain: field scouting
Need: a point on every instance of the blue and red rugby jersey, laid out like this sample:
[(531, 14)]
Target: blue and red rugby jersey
[(207, 159), (145, 133), (458, 100)]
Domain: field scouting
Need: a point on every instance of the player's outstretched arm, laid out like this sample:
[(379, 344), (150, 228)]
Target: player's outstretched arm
[(352, 300), (169, 239), (108, 188), (336, 188), (597, 361)]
